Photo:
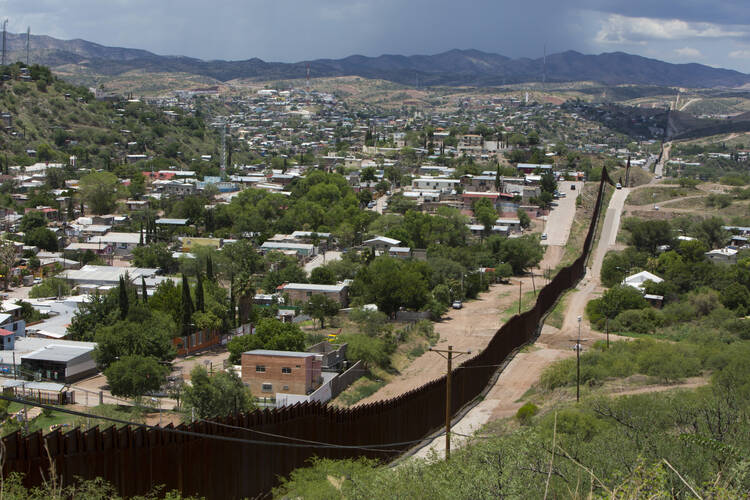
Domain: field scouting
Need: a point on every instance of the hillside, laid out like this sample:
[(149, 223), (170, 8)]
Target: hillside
[(90, 62), (57, 120)]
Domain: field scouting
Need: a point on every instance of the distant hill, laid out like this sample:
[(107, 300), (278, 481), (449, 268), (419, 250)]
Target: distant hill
[(452, 68)]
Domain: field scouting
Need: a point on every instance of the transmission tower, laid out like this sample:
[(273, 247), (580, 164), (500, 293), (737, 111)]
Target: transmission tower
[(5, 24)]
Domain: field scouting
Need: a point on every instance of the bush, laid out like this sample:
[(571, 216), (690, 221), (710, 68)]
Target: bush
[(51, 287), (638, 321), (526, 412), (668, 362), (372, 350)]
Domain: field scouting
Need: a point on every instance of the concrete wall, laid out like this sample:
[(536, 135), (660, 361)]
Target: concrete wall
[(327, 391)]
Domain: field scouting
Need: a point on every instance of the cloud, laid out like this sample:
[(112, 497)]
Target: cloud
[(688, 52), (740, 54), (618, 29)]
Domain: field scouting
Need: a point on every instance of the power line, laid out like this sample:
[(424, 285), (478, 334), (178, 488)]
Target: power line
[(373, 447)]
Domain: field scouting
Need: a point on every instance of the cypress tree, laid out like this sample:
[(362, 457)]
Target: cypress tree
[(209, 268), (199, 299), (187, 307), (124, 305), (140, 243), (143, 289), (232, 307)]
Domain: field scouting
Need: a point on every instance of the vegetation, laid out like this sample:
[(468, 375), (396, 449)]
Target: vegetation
[(615, 446), (215, 395)]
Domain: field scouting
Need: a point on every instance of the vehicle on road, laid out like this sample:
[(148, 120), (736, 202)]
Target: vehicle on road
[(618, 185), (544, 236), (572, 187), (457, 304)]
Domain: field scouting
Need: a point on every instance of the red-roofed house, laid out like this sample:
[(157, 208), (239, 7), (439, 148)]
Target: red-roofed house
[(8, 339)]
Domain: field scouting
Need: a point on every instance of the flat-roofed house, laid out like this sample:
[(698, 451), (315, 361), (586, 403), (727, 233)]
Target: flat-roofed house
[(301, 292), (268, 372), (122, 243), (301, 249)]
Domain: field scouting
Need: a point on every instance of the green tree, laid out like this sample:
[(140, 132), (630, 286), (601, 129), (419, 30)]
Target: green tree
[(32, 220), (41, 237), (647, 236), (123, 298), (98, 310), (521, 253), (200, 305), (99, 191), (133, 376), (154, 255), (322, 275), (143, 333), (215, 396), (186, 307), (548, 183), (523, 217), (320, 307)]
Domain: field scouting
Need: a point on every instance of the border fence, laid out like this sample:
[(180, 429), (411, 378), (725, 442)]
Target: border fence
[(243, 455)]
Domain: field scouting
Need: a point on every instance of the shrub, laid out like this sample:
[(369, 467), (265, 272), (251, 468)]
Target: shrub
[(372, 350), (638, 321), (526, 412)]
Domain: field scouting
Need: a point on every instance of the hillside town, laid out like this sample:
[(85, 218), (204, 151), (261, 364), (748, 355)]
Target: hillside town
[(178, 258)]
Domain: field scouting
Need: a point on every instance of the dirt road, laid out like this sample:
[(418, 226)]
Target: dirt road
[(504, 399), (469, 328), (472, 327)]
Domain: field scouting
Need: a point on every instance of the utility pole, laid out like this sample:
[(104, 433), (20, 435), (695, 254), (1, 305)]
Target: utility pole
[(578, 363), (448, 355), (519, 296), (607, 333)]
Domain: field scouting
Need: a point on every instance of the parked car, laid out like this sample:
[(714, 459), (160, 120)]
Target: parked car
[(572, 187), (618, 185), (457, 304), (544, 236)]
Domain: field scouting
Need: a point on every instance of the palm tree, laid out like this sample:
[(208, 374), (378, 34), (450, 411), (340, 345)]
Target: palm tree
[(244, 290)]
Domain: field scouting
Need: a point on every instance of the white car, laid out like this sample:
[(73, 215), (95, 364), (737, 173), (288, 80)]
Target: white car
[(457, 304)]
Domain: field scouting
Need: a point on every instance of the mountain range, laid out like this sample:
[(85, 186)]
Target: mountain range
[(451, 68)]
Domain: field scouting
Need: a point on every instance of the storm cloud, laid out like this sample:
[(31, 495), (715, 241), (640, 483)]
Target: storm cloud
[(714, 32)]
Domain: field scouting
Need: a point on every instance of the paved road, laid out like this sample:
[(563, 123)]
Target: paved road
[(560, 219), (659, 168), (380, 204), (321, 259)]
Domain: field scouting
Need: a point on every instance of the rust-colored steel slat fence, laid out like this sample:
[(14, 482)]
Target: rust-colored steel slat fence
[(136, 459)]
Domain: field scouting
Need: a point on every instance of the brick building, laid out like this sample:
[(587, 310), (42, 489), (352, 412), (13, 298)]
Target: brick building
[(270, 372)]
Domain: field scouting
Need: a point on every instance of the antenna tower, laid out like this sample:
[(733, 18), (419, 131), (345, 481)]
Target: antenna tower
[(307, 79), (28, 43), (223, 149), (544, 66), (5, 24)]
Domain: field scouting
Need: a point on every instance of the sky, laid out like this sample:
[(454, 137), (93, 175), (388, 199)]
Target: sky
[(711, 32)]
